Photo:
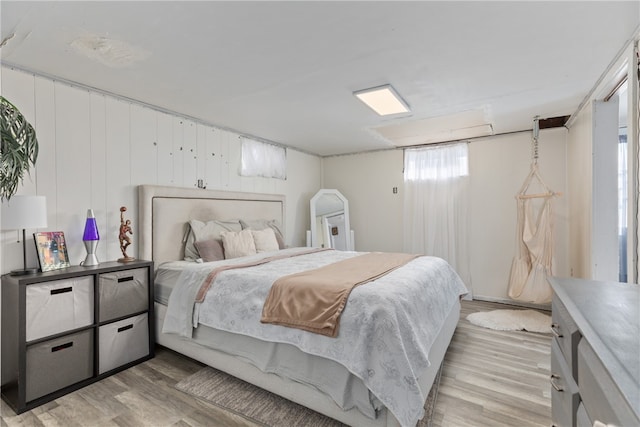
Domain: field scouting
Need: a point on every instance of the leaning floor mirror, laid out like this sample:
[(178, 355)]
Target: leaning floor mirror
[(330, 227)]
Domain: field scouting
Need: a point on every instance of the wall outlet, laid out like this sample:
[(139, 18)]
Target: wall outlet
[(395, 190)]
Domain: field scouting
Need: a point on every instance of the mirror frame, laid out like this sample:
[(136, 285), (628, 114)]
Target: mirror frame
[(312, 211)]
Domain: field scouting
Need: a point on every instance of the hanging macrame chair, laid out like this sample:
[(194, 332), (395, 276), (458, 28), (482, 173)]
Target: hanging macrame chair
[(532, 263)]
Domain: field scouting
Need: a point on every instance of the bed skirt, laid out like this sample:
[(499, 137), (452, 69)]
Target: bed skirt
[(295, 391)]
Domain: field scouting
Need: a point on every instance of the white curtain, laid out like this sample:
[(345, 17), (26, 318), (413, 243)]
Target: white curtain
[(436, 181), (261, 159)]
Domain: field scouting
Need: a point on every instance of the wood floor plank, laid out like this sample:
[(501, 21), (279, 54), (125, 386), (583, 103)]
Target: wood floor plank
[(103, 396), (489, 377)]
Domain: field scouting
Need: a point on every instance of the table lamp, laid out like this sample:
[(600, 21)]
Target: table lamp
[(22, 212), (90, 239)]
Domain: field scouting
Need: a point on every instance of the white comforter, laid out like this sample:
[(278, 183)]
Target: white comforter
[(386, 328)]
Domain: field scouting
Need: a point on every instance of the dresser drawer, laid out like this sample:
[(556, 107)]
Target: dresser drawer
[(564, 391), (58, 306), (122, 293), (566, 333), (122, 342), (602, 398), (57, 363)]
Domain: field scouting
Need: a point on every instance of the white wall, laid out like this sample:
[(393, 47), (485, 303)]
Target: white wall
[(95, 149), (579, 167), (498, 166), (367, 181)]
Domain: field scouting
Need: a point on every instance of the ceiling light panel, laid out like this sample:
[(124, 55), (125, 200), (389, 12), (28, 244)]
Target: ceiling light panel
[(384, 100)]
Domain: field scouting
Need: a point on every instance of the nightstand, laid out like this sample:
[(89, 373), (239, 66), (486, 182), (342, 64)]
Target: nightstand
[(65, 329)]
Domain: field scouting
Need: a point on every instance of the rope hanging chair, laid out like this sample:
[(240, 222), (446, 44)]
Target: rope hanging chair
[(532, 263)]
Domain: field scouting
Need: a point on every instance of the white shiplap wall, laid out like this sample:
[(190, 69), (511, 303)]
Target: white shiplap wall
[(95, 149)]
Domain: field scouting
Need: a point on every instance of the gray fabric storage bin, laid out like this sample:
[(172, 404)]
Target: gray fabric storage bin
[(57, 363), (122, 342), (58, 306), (122, 293)]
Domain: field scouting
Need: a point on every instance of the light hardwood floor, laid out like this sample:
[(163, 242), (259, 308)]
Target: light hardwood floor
[(489, 378), (494, 378)]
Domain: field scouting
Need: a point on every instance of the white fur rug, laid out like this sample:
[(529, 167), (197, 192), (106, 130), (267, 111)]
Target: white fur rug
[(512, 320)]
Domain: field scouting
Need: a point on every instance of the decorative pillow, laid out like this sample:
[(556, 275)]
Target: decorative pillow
[(210, 250), (265, 240), (238, 243), (261, 224), (204, 231)]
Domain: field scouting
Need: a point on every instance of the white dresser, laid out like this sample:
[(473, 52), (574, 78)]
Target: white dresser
[(595, 353)]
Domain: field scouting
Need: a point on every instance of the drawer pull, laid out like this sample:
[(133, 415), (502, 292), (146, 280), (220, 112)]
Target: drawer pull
[(555, 329), (553, 383), (61, 346), (61, 290), (125, 279), (124, 328)]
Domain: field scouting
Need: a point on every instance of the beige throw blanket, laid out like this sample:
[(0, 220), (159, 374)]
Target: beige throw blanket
[(313, 300)]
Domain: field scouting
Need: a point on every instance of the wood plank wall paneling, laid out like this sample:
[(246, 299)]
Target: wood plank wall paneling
[(45, 126), (164, 160), (177, 152), (99, 183), (189, 153), (96, 148), (73, 177), (201, 152), (211, 157), (233, 159), (225, 139), (143, 137), (119, 165)]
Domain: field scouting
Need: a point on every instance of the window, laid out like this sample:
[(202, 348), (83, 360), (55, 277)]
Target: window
[(436, 163), (262, 159), (436, 194)]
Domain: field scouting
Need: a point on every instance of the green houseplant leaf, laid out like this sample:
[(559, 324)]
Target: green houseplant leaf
[(18, 149)]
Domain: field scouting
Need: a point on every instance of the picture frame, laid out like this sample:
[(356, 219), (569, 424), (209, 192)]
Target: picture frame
[(52, 250)]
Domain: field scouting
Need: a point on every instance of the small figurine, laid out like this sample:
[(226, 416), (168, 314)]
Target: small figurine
[(125, 240)]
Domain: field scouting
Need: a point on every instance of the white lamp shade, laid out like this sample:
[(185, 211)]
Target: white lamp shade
[(22, 212)]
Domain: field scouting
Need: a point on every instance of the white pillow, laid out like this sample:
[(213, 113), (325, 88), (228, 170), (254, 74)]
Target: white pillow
[(238, 243), (265, 240), (199, 231), (261, 224)]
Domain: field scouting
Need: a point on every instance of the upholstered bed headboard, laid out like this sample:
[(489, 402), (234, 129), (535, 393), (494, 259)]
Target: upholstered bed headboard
[(163, 213)]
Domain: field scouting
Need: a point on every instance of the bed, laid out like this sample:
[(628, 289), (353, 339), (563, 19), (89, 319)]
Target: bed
[(301, 366)]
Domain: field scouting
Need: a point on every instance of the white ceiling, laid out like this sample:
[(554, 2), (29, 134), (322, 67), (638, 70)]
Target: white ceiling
[(285, 71)]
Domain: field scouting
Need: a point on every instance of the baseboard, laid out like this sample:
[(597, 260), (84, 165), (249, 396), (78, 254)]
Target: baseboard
[(546, 307)]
